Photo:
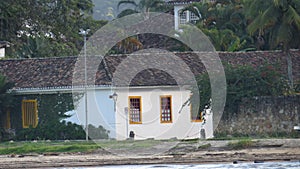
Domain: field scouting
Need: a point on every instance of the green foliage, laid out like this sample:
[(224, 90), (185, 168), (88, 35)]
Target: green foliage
[(243, 82), (204, 146), (297, 87), (45, 28), (6, 99), (224, 23), (53, 130), (277, 21), (46, 147), (98, 133), (242, 144), (7, 102), (51, 110)]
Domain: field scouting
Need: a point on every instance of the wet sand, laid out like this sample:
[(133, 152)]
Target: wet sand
[(182, 153)]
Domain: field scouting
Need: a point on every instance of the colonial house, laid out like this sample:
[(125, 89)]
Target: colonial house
[(153, 104)]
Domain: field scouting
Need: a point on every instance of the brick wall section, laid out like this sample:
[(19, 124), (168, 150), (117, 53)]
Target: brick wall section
[(263, 116)]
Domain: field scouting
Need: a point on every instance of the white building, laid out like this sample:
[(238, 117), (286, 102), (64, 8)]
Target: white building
[(184, 17), (154, 105)]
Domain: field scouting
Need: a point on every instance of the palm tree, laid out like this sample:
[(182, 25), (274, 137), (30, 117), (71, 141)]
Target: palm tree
[(280, 21), (224, 22)]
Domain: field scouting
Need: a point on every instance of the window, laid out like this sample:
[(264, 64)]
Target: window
[(182, 17), (193, 18), (165, 109), (29, 113), (135, 110)]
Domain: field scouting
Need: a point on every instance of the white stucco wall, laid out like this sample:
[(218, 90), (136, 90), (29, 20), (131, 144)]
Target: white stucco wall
[(100, 110), (176, 16), (181, 127)]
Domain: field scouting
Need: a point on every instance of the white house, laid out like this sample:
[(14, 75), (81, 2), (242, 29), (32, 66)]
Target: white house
[(182, 18), (154, 105)]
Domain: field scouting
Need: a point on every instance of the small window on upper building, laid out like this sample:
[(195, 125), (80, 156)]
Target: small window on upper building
[(182, 17), (166, 109), (193, 18), (135, 110), (29, 113)]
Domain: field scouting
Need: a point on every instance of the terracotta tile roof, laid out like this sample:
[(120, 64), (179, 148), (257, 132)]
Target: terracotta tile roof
[(58, 72)]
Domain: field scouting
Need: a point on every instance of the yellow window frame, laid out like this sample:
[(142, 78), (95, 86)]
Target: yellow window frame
[(29, 113), (129, 110), (171, 107)]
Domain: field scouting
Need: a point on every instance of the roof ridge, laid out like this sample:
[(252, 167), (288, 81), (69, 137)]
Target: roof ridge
[(47, 58)]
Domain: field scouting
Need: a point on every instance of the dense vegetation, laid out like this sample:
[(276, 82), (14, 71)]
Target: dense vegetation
[(243, 82), (45, 28)]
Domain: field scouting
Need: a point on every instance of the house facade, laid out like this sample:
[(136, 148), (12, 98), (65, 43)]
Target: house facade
[(158, 112), (152, 106)]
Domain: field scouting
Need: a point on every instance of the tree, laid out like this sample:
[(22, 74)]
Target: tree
[(6, 99), (6, 104), (51, 22), (224, 22), (279, 20)]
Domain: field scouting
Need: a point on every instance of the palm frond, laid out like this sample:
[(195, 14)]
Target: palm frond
[(255, 25), (270, 16), (284, 34), (292, 16)]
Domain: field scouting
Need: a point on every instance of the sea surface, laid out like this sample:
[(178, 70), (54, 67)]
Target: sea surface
[(265, 165)]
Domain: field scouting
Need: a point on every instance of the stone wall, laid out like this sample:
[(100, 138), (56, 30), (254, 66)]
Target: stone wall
[(263, 116)]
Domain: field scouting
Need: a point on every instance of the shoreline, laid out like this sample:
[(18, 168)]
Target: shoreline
[(264, 150)]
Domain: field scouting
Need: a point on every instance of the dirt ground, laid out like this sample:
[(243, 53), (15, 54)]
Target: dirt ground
[(182, 152)]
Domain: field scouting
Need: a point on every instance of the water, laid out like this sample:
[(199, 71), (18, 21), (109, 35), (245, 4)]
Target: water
[(266, 165)]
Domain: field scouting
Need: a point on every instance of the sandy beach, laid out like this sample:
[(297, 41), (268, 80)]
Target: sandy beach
[(183, 153)]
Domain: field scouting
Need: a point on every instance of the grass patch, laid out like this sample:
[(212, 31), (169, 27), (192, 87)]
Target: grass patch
[(129, 144), (43, 147), (241, 144), (204, 146)]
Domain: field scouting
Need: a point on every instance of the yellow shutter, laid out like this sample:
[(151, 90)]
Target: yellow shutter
[(29, 113)]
